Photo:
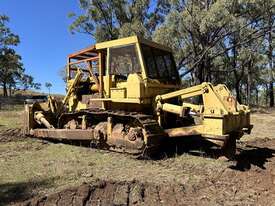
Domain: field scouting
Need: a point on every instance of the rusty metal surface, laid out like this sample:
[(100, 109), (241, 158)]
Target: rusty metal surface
[(84, 60), (132, 133), (184, 131), (84, 53), (65, 134), (126, 135)]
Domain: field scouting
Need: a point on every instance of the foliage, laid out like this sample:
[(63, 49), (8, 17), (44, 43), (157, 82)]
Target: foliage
[(48, 85), (7, 38), (107, 19), (12, 72), (27, 82), (221, 41)]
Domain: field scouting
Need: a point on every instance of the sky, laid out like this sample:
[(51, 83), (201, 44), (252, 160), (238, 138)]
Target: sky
[(45, 38)]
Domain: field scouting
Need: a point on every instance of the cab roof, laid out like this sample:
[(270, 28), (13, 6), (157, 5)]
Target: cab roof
[(130, 40), (91, 51)]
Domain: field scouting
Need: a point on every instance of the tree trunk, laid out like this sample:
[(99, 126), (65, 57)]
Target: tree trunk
[(5, 92), (257, 96), (248, 88), (266, 95), (270, 60), (198, 77), (238, 93), (10, 90), (234, 65), (271, 94)]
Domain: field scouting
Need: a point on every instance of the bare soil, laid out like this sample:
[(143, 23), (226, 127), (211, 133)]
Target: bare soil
[(186, 176), (250, 181), (11, 134)]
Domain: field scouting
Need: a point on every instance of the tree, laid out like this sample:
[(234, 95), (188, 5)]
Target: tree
[(11, 68), (12, 72), (9, 61), (215, 40), (7, 38), (63, 73), (107, 19), (270, 35), (48, 85), (27, 82), (221, 41)]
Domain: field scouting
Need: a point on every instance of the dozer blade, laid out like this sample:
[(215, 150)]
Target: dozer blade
[(64, 134)]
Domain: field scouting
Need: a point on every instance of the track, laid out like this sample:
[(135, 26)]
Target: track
[(132, 133)]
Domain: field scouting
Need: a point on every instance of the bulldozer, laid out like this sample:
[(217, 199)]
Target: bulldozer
[(126, 95)]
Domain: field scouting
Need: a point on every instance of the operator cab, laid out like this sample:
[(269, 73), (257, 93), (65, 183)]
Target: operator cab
[(138, 69), (159, 64), (127, 70)]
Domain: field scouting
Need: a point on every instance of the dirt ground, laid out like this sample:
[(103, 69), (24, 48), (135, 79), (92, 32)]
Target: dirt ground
[(34, 172)]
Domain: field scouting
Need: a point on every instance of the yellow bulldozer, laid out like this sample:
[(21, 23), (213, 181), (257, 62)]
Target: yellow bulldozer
[(126, 95)]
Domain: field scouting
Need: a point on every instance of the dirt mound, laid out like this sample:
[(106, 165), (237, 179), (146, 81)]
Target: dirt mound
[(7, 135), (113, 193)]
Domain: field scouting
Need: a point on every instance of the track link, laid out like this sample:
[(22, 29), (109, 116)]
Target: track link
[(150, 142)]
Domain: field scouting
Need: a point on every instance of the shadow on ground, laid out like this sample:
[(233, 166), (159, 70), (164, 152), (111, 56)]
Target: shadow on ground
[(20, 191), (246, 156), (252, 155), (194, 145)]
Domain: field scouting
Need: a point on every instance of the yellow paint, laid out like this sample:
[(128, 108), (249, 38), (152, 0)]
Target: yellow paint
[(220, 112), (118, 93), (130, 40)]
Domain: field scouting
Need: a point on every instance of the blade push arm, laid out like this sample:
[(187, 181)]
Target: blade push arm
[(72, 86), (220, 112)]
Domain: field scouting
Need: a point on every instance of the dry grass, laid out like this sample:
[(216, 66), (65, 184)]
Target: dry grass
[(29, 93), (263, 124), (11, 119), (66, 165)]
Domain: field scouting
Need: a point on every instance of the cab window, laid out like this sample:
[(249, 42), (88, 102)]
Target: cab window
[(159, 64), (124, 60)]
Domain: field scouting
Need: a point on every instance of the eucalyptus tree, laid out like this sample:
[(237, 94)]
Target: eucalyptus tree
[(12, 72), (221, 41), (218, 41), (108, 19)]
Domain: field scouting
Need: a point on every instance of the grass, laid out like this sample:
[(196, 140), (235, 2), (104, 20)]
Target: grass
[(49, 167), (11, 119), (29, 93), (30, 160), (263, 125), (67, 165)]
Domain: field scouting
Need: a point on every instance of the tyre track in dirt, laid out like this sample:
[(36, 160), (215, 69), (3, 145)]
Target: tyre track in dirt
[(113, 193), (250, 180), (8, 135)]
